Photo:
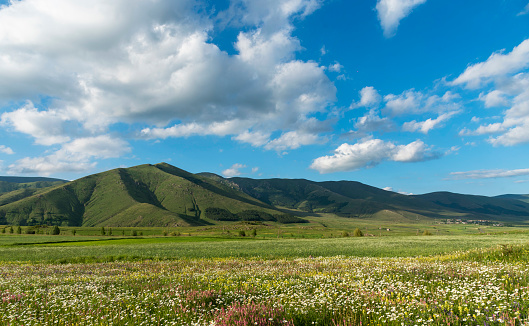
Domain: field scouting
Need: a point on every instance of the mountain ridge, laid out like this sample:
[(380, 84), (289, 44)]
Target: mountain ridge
[(165, 195)]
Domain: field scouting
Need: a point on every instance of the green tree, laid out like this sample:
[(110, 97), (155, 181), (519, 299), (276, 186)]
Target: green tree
[(74, 232), (19, 230), (134, 233), (11, 229), (358, 233), (56, 230), (345, 234), (242, 233), (253, 233), (426, 232), (103, 231), (109, 231), (4, 230)]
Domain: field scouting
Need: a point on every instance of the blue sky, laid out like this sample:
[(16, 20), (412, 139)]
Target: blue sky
[(413, 96)]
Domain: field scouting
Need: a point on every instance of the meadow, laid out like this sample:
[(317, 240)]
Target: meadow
[(215, 277)]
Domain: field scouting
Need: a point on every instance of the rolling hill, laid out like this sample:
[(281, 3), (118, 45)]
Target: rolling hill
[(354, 199), (145, 195), (164, 195)]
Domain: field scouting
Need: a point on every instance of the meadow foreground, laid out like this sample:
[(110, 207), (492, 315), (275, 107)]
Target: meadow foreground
[(480, 287)]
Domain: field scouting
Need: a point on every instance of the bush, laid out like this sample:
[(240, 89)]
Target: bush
[(56, 230), (345, 234), (426, 232), (220, 214), (19, 230), (134, 233), (164, 233), (11, 229), (253, 233), (287, 218), (242, 233), (74, 232), (358, 233)]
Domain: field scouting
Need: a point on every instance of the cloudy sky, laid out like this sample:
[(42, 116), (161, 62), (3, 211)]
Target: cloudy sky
[(409, 95)]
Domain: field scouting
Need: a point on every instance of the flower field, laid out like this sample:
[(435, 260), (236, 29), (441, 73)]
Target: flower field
[(305, 291)]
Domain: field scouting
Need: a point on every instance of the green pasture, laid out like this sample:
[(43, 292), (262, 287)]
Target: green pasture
[(81, 249)]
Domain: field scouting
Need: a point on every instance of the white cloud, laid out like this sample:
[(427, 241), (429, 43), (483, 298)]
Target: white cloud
[(47, 127), (256, 139), (234, 170), (336, 67), (6, 150), (408, 101), (255, 170), (370, 152), (494, 98), (497, 65), (292, 140), (75, 156), (369, 97), (427, 125), (489, 174), (416, 102), (391, 12), (371, 121), (153, 63), (525, 11)]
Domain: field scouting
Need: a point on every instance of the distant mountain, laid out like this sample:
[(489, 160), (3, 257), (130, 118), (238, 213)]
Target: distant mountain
[(354, 199), (16, 188), (524, 198), (164, 195), (145, 195)]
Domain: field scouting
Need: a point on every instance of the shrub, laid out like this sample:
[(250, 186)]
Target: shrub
[(56, 230), (103, 230), (134, 233), (164, 233), (11, 229), (4, 230), (242, 233), (19, 230), (74, 232), (358, 233), (345, 234), (426, 232), (253, 233), (220, 214)]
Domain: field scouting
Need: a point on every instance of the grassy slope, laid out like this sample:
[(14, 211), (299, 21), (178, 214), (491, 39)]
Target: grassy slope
[(144, 195), (354, 199)]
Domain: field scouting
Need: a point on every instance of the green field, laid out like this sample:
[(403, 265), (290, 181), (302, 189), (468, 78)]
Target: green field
[(307, 274)]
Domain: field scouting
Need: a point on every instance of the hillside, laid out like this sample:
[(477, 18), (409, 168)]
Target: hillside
[(524, 198), (354, 199), (145, 195), (164, 195)]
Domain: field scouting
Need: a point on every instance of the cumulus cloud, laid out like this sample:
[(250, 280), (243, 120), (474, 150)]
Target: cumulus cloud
[(391, 12), (234, 170), (75, 156), (369, 97), (371, 152), (427, 125), (153, 63), (6, 150), (372, 121), (47, 127), (494, 98), (497, 65), (489, 174), (293, 140), (417, 102)]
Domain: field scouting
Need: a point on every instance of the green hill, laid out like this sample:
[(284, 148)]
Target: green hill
[(145, 195), (354, 199), (524, 198)]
